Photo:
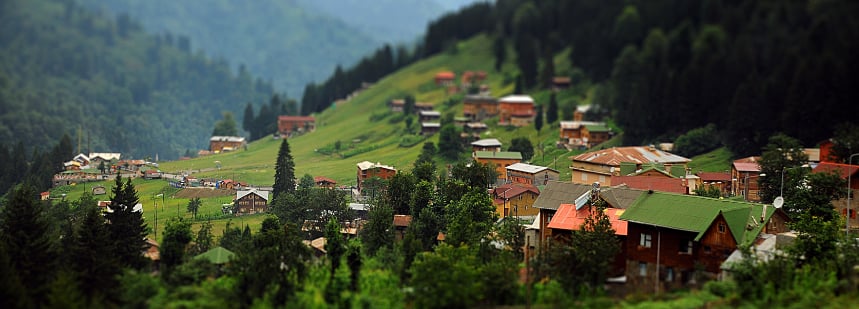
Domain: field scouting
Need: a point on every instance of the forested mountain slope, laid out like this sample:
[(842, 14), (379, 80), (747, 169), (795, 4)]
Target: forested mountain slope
[(64, 69), (289, 43)]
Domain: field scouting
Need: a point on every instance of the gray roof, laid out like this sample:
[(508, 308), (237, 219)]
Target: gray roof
[(528, 168), (242, 193), (237, 139), (620, 196), (556, 193), (488, 142), (430, 113)]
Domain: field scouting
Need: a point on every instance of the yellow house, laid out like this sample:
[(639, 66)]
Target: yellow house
[(515, 199)]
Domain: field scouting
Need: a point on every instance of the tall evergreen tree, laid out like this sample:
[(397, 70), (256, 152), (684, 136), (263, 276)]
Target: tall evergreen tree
[(127, 229), (538, 120), (24, 233), (248, 121), (92, 256), (284, 171), (552, 110)]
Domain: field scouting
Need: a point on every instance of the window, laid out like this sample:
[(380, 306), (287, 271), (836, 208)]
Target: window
[(584, 177), (642, 269), (686, 247), (722, 228), (644, 240), (602, 179), (669, 274), (706, 249)]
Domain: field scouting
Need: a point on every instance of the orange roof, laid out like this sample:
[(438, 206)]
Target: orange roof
[(841, 169), (747, 166), (512, 190), (568, 218), (402, 220), (445, 75), (318, 179)]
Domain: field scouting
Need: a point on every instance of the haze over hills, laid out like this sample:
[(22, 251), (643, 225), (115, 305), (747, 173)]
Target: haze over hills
[(64, 69), (290, 43)]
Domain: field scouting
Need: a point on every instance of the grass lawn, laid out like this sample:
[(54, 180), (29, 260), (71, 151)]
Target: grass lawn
[(718, 160), (366, 129)]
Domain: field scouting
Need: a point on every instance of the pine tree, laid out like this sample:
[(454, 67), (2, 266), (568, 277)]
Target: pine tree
[(24, 232), (127, 229), (284, 171), (92, 256), (538, 120), (552, 110), (248, 121)]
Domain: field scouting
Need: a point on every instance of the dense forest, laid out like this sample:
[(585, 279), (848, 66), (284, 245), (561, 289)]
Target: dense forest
[(662, 68), (113, 88)]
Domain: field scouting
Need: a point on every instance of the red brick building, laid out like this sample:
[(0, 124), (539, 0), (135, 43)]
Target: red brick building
[(520, 107)]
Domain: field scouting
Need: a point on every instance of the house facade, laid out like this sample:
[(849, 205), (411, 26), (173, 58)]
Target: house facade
[(673, 239), (324, 182), (745, 173), (479, 107), (430, 128), (444, 78), (600, 166), (498, 159), (520, 107), (367, 170), (531, 174), (226, 143), (289, 125), (515, 199), (429, 116), (251, 201)]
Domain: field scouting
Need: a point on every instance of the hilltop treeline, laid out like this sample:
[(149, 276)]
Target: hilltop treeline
[(664, 67), (64, 69)]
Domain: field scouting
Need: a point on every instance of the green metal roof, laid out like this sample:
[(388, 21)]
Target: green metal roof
[(597, 128), (696, 214), (216, 255), (513, 155)]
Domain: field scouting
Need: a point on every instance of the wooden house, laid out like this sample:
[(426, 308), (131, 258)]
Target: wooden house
[(430, 128), (489, 144), (324, 182), (499, 159), (429, 116), (571, 217), (721, 181), (401, 223), (226, 143), (423, 107), (397, 105), (516, 110), (560, 83), (531, 174), (367, 170), (672, 236), (744, 178), (96, 158), (251, 201), (289, 125), (848, 173), (515, 199), (479, 107), (445, 78), (599, 166)]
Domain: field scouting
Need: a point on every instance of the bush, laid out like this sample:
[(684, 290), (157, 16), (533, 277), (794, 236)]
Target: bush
[(410, 140), (697, 141)]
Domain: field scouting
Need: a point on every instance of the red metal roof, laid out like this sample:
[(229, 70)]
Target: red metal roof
[(568, 218), (318, 179), (445, 75), (841, 169), (615, 155), (711, 176), (512, 190), (295, 118)]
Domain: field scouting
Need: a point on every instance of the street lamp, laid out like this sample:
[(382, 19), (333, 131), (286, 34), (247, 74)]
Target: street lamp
[(849, 190)]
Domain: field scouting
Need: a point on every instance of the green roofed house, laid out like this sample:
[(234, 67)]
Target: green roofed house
[(670, 236), (217, 255)]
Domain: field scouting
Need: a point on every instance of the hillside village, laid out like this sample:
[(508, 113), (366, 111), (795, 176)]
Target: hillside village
[(522, 153), (676, 227)]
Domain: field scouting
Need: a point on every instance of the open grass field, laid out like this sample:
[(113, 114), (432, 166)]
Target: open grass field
[(367, 131)]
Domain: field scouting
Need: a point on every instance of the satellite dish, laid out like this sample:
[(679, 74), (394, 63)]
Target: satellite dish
[(778, 202)]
